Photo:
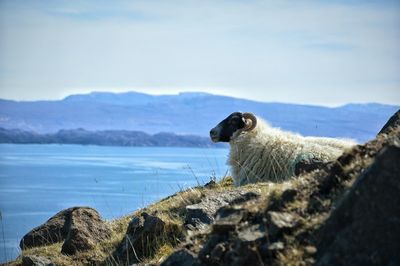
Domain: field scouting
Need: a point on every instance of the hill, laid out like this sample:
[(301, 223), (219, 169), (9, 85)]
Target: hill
[(344, 213), (187, 113), (104, 138)]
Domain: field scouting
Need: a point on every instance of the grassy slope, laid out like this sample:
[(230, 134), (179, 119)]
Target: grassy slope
[(171, 210)]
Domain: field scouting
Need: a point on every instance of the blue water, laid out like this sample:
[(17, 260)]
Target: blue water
[(37, 181)]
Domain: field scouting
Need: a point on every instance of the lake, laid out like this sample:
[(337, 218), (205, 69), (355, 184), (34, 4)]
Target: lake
[(37, 181)]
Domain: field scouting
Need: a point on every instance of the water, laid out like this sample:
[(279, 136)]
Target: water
[(37, 181)]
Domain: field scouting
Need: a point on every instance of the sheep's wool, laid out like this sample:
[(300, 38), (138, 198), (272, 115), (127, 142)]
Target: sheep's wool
[(270, 154)]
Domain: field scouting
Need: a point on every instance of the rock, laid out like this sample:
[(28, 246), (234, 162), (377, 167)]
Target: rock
[(36, 261), (276, 246), (53, 231), (233, 247), (364, 229), (245, 197), (141, 238), (280, 222), (86, 230), (242, 253), (181, 257), (204, 211), (223, 227), (205, 253), (308, 165), (218, 252), (211, 184), (251, 234), (81, 227), (229, 213), (287, 196), (310, 249), (392, 123), (227, 218)]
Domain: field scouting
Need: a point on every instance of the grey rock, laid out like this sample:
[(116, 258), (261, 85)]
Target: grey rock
[(140, 239), (364, 229), (227, 218), (310, 249), (210, 184), (36, 261), (251, 234), (218, 252), (223, 227), (86, 229), (52, 231), (58, 227), (308, 165), (204, 212), (208, 247), (276, 246), (245, 197), (181, 257), (235, 247), (280, 222), (287, 196), (232, 214)]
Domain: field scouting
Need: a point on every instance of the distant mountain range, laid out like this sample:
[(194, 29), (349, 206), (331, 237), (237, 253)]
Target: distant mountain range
[(186, 114), (105, 138)]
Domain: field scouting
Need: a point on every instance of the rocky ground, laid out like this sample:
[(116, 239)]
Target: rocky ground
[(346, 212)]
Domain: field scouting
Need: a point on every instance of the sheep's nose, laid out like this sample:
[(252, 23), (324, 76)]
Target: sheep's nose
[(214, 135)]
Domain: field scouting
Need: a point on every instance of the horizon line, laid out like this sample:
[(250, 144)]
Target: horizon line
[(180, 92)]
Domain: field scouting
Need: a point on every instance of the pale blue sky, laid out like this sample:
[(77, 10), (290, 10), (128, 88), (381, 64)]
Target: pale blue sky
[(313, 52)]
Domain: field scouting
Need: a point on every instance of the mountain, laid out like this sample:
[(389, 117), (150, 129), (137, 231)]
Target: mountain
[(187, 113)]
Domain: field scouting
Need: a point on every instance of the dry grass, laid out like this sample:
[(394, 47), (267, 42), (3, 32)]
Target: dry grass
[(171, 210)]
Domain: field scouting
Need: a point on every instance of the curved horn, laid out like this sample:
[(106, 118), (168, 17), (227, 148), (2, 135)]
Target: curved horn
[(250, 120)]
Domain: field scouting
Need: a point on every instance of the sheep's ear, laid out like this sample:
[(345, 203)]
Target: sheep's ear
[(250, 120)]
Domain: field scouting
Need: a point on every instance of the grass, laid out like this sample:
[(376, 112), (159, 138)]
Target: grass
[(171, 210)]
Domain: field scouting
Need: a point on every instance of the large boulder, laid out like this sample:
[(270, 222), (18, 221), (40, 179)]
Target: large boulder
[(53, 231), (364, 229), (80, 227), (86, 229)]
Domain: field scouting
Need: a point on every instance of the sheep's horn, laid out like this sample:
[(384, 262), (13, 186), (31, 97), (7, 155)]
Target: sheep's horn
[(250, 120)]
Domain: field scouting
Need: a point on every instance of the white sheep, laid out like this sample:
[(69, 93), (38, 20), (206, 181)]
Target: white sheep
[(260, 152)]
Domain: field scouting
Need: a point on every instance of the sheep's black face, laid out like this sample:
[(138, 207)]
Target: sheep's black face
[(225, 129)]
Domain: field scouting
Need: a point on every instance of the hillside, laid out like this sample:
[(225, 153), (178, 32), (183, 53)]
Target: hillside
[(187, 113), (105, 138), (344, 213)]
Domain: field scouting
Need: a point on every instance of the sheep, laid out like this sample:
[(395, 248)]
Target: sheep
[(260, 152)]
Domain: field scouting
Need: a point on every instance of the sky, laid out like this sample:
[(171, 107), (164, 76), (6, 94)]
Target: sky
[(308, 52)]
